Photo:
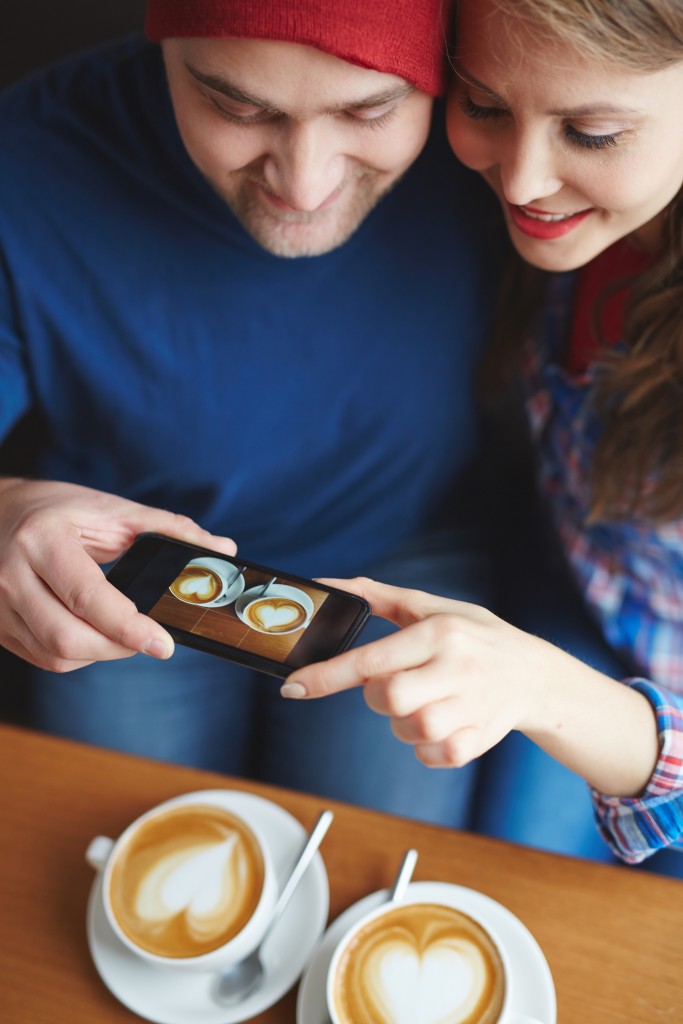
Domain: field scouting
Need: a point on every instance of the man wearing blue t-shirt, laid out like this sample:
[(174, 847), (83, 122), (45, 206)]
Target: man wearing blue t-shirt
[(242, 280)]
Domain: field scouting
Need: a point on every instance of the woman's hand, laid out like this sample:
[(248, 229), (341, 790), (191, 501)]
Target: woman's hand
[(57, 610), (455, 679)]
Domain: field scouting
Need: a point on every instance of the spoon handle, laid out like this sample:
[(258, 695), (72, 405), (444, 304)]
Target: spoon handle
[(240, 569), (405, 873), (308, 852), (267, 587)]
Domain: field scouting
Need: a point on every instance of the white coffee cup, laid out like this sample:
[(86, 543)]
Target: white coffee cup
[(220, 586), (188, 885), (457, 969), (283, 609)]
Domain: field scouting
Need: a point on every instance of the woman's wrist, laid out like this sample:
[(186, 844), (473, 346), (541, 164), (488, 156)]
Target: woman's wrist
[(596, 726)]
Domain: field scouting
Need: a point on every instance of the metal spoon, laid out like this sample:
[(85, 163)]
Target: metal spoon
[(232, 579), (228, 585), (405, 873), (235, 983)]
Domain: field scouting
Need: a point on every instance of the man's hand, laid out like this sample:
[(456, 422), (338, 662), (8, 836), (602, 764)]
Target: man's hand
[(57, 610)]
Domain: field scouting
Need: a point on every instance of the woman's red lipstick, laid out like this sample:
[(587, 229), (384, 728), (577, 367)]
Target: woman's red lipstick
[(523, 218)]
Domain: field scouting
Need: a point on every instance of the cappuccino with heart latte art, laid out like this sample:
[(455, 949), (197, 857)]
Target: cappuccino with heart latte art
[(275, 615), (197, 584), (420, 963), (186, 881)]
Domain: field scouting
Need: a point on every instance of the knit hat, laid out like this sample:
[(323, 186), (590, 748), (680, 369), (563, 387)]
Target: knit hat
[(406, 38)]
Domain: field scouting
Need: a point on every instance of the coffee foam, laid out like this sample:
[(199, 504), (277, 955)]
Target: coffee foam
[(276, 614), (201, 586), (197, 584), (187, 881), (420, 964)]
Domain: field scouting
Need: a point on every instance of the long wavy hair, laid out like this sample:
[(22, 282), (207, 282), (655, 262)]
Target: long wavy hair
[(638, 462)]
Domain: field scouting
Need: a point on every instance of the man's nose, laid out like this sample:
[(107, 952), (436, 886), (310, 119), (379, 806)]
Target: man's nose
[(304, 166), (528, 169)]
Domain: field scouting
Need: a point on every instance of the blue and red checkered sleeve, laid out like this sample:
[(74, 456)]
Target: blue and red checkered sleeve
[(636, 827)]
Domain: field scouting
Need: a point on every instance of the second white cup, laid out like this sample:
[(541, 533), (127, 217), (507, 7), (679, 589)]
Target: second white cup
[(421, 961)]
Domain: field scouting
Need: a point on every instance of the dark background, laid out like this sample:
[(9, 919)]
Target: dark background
[(33, 34), (36, 32)]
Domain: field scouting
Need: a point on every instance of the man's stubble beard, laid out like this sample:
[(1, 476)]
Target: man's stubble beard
[(279, 233)]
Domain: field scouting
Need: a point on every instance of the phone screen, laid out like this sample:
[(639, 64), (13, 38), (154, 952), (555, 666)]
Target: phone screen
[(273, 621)]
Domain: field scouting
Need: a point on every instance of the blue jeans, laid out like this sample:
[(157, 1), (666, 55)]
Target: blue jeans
[(200, 710)]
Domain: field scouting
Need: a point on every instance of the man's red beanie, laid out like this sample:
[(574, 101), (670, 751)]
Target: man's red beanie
[(397, 37)]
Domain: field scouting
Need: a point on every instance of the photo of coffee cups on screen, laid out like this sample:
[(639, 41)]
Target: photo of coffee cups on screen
[(418, 963), (208, 582), (276, 609), (189, 884)]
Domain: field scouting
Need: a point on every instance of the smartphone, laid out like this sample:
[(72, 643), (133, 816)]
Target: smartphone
[(269, 620)]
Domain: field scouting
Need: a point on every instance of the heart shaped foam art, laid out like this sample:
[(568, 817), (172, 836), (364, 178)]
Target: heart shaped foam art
[(196, 881), (186, 880), (203, 884), (443, 984), (270, 616), (202, 586), (420, 972)]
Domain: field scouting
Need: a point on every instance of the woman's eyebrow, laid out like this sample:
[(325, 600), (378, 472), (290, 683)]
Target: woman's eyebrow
[(223, 85), (471, 80), (593, 109), (588, 109)]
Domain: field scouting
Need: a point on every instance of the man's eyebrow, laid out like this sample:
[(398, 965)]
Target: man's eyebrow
[(378, 99), (223, 85), (589, 109)]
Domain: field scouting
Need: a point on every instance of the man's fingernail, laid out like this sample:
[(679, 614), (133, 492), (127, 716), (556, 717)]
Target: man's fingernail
[(158, 649), (293, 690)]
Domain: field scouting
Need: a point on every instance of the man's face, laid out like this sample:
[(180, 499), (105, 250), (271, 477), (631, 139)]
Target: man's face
[(299, 144)]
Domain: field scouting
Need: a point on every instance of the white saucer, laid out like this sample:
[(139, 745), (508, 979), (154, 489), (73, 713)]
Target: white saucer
[(166, 996), (532, 986)]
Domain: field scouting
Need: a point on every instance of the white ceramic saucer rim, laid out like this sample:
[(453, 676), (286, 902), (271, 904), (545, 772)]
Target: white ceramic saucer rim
[(512, 933), (313, 892)]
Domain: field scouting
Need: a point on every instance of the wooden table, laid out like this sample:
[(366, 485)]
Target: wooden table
[(613, 937)]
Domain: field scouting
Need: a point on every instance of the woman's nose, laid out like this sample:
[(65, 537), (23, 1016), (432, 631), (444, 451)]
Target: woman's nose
[(528, 170)]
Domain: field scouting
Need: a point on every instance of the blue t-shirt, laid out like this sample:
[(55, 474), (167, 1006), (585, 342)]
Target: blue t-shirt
[(319, 410)]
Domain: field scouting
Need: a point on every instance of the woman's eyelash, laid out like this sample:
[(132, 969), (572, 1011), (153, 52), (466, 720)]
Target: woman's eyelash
[(589, 141), (577, 138)]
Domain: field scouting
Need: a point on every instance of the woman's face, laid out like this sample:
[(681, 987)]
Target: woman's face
[(579, 152)]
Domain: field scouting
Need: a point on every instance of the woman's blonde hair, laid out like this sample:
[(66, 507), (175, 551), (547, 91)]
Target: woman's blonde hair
[(638, 463), (640, 35)]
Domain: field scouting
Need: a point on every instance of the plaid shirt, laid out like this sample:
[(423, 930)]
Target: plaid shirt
[(630, 573)]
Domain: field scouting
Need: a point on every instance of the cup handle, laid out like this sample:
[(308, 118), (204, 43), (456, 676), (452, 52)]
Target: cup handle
[(98, 852)]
